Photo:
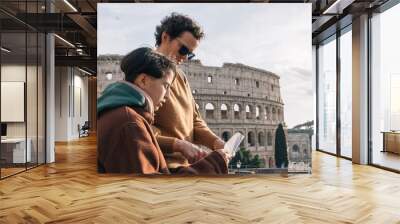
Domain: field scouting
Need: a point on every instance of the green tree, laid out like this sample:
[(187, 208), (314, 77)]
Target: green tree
[(246, 159), (281, 159)]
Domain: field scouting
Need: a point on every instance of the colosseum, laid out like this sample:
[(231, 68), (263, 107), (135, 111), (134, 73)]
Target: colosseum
[(232, 98)]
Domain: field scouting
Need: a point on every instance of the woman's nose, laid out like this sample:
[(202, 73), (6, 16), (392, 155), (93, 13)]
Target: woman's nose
[(166, 94)]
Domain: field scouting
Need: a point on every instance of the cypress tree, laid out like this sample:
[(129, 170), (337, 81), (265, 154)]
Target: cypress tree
[(280, 148)]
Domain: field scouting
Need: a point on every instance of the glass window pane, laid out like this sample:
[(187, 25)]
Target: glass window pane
[(327, 96), (346, 94), (386, 88)]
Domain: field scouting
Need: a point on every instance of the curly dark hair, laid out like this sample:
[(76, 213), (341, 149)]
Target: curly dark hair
[(175, 24), (145, 60)]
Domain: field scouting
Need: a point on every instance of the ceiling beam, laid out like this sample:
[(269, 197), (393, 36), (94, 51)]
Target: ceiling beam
[(77, 61)]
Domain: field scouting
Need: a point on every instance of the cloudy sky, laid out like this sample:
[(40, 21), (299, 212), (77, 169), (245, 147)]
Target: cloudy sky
[(274, 37)]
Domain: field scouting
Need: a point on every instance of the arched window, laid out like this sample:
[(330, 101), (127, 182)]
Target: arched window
[(266, 114), (109, 75), (269, 139), (251, 138), (248, 111), (273, 114), (261, 139), (257, 112), (226, 135), (209, 79), (210, 111), (236, 110), (224, 111), (295, 152), (236, 81)]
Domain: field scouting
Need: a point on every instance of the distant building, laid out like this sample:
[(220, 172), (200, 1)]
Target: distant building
[(299, 150), (108, 70)]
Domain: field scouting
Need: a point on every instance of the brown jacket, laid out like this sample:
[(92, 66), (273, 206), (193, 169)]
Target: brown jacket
[(179, 118), (126, 144)]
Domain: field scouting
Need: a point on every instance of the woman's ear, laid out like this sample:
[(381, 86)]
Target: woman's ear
[(141, 81)]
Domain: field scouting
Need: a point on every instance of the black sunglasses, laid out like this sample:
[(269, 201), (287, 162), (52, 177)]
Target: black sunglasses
[(185, 51)]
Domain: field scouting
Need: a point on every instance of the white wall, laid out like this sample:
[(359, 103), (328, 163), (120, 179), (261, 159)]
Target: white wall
[(62, 80), (16, 73), (71, 87)]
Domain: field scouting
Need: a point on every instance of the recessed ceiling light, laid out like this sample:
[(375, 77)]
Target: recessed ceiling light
[(5, 49), (64, 40), (84, 71), (70, 5)]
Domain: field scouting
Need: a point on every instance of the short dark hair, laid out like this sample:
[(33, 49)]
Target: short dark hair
[(175, 24), (145, 60)]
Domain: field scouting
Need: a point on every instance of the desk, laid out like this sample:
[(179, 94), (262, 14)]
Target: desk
[(13, 150), (391, 142)]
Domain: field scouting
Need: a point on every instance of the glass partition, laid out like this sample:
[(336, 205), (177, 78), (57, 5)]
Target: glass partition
[(13, 99), (22, 91)]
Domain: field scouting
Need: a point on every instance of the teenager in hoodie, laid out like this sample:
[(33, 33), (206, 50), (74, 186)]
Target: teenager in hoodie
[(125, 110)]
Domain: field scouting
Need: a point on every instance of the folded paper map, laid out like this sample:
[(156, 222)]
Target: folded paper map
[(232, 145)]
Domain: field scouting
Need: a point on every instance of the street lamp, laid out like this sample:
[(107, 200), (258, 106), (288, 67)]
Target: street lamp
[(238, 164)]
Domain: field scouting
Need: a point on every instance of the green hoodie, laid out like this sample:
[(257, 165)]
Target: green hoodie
[(117, 95)]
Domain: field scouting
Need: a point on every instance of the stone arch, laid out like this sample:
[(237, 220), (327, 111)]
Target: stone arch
[(224, 111), (249, 110), (295, 152), (257, 112), (267, 113), (269, 139), (261, 138), (273, 114), (210, 108), (237, 111), (251, 138), (295, 148), (226, 135)]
